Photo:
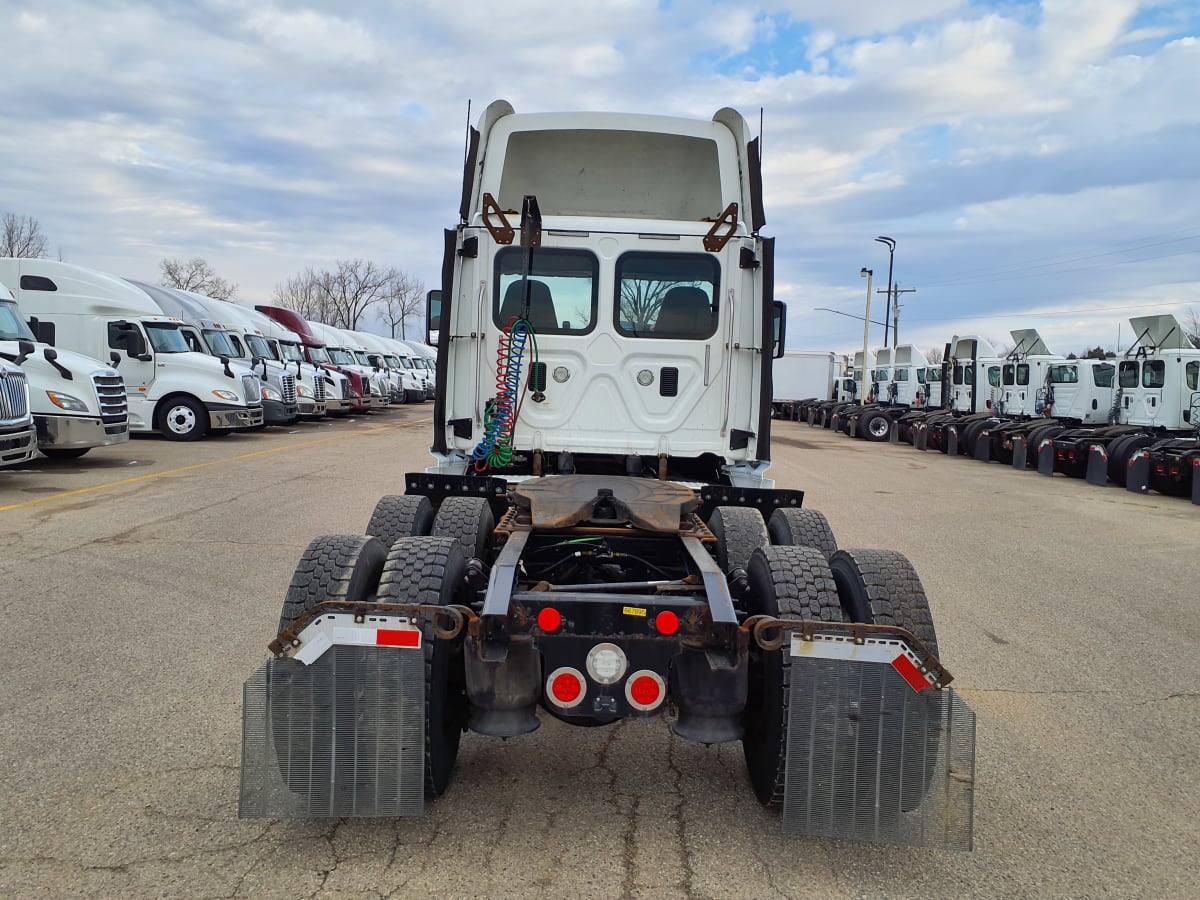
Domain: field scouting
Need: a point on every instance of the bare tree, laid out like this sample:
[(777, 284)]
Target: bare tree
[(198, 276), (305, 294), (934, 355), (352, 289), (1191, 326), (405, 298), (22, 237)]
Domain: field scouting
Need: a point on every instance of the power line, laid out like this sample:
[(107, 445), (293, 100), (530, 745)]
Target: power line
[(987, 279), (1064, 312)]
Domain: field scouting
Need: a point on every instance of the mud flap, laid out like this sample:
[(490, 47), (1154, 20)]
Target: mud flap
[(894, 432), (952, 440), (1020, 452), (1097, 465), (1196, 481), (344, 736), (1045, 457), (920, 436), (871, 759), (1137, 479), (983, 447)]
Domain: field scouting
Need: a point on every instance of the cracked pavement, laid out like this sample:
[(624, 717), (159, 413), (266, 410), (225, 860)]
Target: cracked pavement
[(133, 613)]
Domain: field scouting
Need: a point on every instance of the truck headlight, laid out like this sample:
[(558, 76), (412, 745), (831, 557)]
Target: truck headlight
[(66, 401), (270, 394), (303, 391), (227, 395)]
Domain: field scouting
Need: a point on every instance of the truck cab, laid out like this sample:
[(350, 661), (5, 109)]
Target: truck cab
[(344, 393), (362, 375), (173, 390), (1157, 377), (18, 437), (908, 365), (637, 326), (287, 348), (77, 402)]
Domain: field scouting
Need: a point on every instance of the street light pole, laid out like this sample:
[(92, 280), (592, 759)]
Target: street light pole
[(866, 329), (891, 245)]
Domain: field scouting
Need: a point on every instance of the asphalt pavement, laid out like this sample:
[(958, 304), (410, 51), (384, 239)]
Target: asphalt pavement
[(140, 585)]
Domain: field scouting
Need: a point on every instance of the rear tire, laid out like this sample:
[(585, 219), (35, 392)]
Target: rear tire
[(400, 516), (802, 528), (791, 583), (876, 427), (469, 521), (1118, 464), (740, 531), (431, 570), (333, 567), (880, 587)]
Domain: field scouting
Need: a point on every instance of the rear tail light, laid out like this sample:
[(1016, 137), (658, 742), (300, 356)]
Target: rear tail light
[(549, 620), (606, 663), (666, 623), (645, 690), (565, 687)]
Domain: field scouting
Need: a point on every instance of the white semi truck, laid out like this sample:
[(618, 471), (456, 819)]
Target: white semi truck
[(343, 353), (597, 539), (181, 394), (313, 384), (18, 437), (77, 402)]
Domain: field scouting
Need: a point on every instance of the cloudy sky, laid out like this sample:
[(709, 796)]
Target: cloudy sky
[(1037, 163)]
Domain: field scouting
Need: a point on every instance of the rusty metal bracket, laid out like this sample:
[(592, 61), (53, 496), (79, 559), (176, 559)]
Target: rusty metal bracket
[(716, 240), (770, 634), (502, 233), (449, 622)]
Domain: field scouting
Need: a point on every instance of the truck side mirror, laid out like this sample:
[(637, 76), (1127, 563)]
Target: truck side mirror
[(778, 327), (115, 357), (433, 317), (24, 349)]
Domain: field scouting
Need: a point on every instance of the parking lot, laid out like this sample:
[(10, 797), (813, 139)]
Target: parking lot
[(141, 584)]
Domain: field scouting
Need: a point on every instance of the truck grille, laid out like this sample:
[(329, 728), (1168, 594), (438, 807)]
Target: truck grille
[(14, 397), (319, 388), (114, 404), (288, 383), (252, 389), (346, 389)]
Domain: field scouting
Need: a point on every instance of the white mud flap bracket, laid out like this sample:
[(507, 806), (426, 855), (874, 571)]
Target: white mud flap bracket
[(877, 752), (336, 726)]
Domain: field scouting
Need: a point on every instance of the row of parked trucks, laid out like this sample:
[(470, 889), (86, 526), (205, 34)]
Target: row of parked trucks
[(86, 358), (1132, 420)]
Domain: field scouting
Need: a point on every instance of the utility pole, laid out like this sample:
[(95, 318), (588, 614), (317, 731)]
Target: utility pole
[(868, 274), (896, 292)]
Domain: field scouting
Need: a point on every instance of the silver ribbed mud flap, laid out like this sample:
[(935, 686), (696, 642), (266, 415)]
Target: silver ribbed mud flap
[(872, 759), (344, 736)]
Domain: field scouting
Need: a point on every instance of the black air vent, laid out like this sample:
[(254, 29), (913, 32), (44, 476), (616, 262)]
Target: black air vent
[(537, 377), (668, 381), (37, 283)]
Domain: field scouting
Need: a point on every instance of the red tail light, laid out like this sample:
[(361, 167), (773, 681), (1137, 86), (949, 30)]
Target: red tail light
[(549, 620), (565, 687), (666, 623), (645, 690)]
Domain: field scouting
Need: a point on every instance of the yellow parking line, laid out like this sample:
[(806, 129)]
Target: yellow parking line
[(205, 465)]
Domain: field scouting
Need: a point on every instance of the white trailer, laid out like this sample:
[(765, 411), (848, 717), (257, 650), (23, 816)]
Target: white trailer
[(77, 402), (172, 390), (799, 376)]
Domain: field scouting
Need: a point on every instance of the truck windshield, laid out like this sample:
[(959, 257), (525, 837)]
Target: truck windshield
[(363, 359), (341, 357), (318, 354), (1102, 375), (993, 373), (259, 347), (667, 295), (218, 343), (291, 351), (12, 327), (1063, 375), (561, 287), (166, 338), (900, 375), (1154, 373)]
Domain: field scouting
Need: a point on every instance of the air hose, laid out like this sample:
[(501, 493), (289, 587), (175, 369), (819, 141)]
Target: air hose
[(495, 450)]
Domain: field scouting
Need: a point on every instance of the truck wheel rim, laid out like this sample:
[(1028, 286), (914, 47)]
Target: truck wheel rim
[(181, 420), (879, 427)]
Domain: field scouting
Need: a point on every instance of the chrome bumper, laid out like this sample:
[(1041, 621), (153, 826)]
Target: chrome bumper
[(60, 432), (17, 444), (221, 416), (313, 407)]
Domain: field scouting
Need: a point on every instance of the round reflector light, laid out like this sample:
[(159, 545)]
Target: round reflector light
[(606, 663), (666, 622), (645, 690), (565, 687), (549, 620)]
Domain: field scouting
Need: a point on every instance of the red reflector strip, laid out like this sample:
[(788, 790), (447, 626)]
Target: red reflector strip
[(390, 637), (910, 673)]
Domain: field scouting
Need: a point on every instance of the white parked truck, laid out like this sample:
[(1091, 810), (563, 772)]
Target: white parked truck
[(287, 347), (801, 376), (77, 402), (171, 389), (18, 437), (597, 539), (343, 353)]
